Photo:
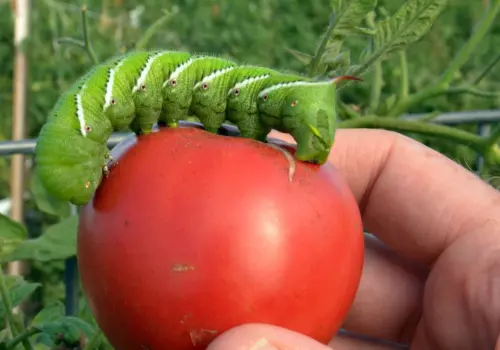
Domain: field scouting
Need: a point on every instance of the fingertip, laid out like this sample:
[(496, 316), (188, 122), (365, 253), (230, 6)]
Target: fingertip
[(257, 336)]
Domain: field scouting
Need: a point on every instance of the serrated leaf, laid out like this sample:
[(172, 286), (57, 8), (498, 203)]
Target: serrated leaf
[(69, 329), (300, 56), (349, 14), (58, 242), (49, 313), (46, 202), (12, 233), (413, 19), (365, 31), (410, 23), (18, 290)]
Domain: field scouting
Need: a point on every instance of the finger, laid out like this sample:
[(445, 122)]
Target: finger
[(462, 300), (413, 198), (346, 341), (264, 337), (389, 297)]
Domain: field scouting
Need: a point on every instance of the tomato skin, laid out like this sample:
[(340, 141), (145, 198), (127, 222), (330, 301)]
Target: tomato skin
[(194, 233)]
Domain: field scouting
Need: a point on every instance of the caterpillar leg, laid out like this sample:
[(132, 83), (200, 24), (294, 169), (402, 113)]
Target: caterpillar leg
[(292, 163), (105, 170), (251, 127)]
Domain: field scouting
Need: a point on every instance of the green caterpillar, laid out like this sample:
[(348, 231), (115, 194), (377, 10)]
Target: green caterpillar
[(138, 89)]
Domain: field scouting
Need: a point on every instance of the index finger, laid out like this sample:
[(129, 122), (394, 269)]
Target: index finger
[(414, 199)]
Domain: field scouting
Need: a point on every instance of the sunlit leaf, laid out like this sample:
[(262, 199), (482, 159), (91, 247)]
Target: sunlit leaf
[(349, 14), (12, 233), (56, 243), (19, 290), (46, 202), (67, 329), (302, 57), (412, 21), (49, 313)]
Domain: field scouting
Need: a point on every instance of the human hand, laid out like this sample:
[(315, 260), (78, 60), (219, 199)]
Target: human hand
[(435, 282)]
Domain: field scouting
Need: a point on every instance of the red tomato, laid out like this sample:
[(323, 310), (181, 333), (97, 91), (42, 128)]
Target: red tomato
[(194, 233)]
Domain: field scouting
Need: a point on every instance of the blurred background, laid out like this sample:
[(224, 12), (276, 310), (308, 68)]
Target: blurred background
[(257, 32)]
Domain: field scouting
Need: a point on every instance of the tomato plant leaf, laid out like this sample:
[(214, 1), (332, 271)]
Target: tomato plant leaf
[(66, 329), (49, 313), (407, 25), (47, 203), (56, 243), (410, 23), (12, 233), (349, 14), (300, 56), (19, 290)]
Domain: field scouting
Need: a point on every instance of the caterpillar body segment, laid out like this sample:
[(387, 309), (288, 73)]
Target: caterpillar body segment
[(210, 95), (138, 89), (178, 89), (242, 108)]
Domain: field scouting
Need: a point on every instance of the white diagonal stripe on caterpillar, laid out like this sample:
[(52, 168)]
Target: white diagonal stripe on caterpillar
[(80, 113), (179, 70), (109, 85), (293, 83), (247, 81), (145, 71), (213, 75)]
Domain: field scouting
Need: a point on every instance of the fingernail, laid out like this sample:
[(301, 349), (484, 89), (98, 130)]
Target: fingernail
[(262, 344)]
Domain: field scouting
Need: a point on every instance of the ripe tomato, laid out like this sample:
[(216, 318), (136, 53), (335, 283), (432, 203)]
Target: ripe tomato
[(194, 233)]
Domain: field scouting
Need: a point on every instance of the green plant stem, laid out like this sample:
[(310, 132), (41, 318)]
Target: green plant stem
[(494, 137), (378, 79), (4, 293), (488, 68), (472, 91), (468, 49), (463, 55), (348, 111), (86, 36), (376, 88), (21, 338), (151, 30), (315, 61), (72, 41), (403, 84), (475, 142)]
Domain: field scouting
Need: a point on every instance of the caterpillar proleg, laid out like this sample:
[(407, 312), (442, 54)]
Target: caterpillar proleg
[(138, 89)]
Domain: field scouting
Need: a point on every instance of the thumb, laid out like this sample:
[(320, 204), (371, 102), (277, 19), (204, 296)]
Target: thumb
[(264, 337)]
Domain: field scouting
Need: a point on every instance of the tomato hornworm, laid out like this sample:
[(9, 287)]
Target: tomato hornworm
[(136, 90)]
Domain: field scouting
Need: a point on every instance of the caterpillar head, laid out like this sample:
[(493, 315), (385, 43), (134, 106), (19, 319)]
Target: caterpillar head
[(307, 112)]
